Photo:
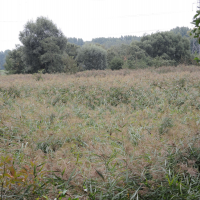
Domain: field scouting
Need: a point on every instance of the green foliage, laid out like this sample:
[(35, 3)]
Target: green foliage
[(166, 44), (92, 57), (70, 65), (112, 53), (76, 41), (184, 31), (72, 50), (3, 58), (160, 49), (116, 63), (43, 46), (137, 57), (196, 30), (29, 181), (106, 42), (52, 58), (135, 52), (162, 61), (14, 63), (110, 42)]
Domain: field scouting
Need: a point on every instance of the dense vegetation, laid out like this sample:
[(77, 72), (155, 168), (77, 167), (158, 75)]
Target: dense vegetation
[(92, 57), (109, 42), (45, 49), (76, 41), (159, 49), (3, 55), (101, 135)]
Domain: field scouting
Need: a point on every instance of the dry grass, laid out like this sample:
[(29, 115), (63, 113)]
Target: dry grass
[(109, 126)]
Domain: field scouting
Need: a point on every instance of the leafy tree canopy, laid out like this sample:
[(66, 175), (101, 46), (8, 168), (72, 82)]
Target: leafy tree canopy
[(92, 57), (76, 41), (43, 46), (184, 31), (111, 41), (174, 46), (116, 63), (72, 49), (196, 30), (3, 58), (14, 63)]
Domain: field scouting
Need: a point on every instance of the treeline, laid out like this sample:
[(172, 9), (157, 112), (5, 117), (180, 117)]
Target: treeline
[(45, 49), (105, 42), (112, 41), (109, 42), (77, 41)]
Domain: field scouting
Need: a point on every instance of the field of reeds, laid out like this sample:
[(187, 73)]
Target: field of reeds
[(101, 135), (2, 72)]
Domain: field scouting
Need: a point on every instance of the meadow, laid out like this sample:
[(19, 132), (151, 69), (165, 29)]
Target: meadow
[(127, 134), (2, 72)]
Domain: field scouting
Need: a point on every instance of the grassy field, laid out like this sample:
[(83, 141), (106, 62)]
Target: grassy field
[(2, 72), (101, 135)]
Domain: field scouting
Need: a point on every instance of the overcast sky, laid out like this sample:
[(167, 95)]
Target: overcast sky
[(89, 19)]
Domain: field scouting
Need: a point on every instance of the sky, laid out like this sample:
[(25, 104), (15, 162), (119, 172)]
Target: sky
[(89, 19)]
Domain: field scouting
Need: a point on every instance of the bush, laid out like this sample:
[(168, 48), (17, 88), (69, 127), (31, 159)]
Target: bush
[(92, 57), (116, 63), (159, 62), (70, 65), (137, 64), (14, 63)]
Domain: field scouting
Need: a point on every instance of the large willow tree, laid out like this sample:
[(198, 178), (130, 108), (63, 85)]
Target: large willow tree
[(43, 46)]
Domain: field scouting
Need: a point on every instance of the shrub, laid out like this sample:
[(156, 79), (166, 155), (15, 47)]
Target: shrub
[(116, 63), (70, 64), (92, 57)]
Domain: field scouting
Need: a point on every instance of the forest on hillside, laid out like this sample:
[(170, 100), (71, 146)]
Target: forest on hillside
[(48, 50)]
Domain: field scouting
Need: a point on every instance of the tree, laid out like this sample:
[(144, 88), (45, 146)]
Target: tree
[(72, 49), (14, 63), (116, 63), (92, 57), (76, 41), (109, 42), (196, 30), (70, 64), (181, 30), (173, 45), (3, 58), (43, 46), (112, 53)]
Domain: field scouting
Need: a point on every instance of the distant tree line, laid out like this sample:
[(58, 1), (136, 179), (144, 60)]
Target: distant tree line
[(77, 41), (106, 42), (109, 42), (45, 49)]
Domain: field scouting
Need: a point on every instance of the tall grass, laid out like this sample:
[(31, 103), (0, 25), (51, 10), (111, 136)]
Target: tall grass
[(101, 135), (2, 72)]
